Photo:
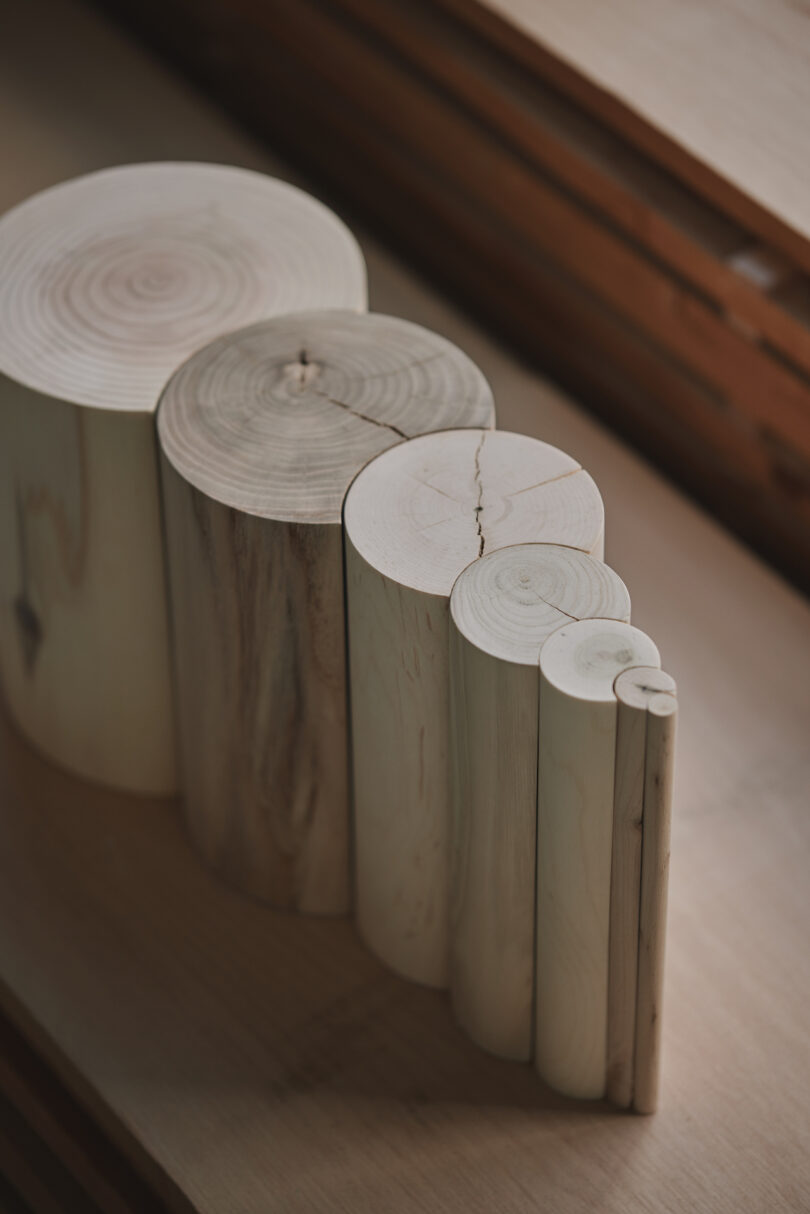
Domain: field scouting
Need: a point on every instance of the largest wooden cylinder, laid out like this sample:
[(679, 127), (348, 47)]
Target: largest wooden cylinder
[(107, 283), (414, 519), (261, 434)]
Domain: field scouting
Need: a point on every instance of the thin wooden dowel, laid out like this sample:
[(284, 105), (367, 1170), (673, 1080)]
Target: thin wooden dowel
[(658, 772), (633, 689), (261, 434), (107, 283), (502, 609), (577, 752), (414, 519)]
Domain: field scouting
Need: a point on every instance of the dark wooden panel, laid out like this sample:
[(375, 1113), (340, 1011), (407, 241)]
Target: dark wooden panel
[(643, 200), (51, 1151), (643, 133)]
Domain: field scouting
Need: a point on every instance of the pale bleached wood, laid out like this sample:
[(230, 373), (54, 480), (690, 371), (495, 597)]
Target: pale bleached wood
[(414, 519), (261, 434), (633, 690), (83, 641), (249, 1061), (579, 664), (502, 608), (659, 762), (107, 283)]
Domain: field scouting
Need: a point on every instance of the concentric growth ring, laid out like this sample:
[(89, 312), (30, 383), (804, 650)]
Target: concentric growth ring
[(108, 282), (276, 420)]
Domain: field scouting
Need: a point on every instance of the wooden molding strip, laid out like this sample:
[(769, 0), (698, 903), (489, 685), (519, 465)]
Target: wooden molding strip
[(521, 48), (51, 1150)]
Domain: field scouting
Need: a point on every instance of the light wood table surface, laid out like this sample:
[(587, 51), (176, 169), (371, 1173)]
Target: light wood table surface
[(248, 1060)]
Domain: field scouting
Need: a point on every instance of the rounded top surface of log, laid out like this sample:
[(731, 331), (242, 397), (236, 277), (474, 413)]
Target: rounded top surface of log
[(583, 659), (276, 420), (642, 687), (424, 511), (109, 281), (511, 600)]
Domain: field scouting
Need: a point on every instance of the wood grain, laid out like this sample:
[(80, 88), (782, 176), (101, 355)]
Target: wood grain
[(414, 519), (579, 664), (248, 1061), (83, 639), (106, 284), (261, 434), (659, 762), (502, 608), (633, 689)]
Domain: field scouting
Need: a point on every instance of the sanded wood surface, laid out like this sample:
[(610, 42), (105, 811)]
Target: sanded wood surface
[(634, 689), (414, 519), (261, 433), (250, 1061), (107, 283), (659, 770), (502, 609)]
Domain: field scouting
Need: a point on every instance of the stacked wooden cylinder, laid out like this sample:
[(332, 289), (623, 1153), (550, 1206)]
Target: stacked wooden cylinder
[(371, 639)]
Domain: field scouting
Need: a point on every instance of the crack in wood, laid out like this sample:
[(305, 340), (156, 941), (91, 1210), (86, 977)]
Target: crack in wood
[(363, 417), (480, 503)]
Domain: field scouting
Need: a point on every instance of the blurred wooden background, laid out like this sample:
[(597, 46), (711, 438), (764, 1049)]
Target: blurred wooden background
[(620, 193)]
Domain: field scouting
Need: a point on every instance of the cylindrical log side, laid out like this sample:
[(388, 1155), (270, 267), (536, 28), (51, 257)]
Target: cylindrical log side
[(634, 689), (261, 697), (658, 776), (83, 637), (493, 847)]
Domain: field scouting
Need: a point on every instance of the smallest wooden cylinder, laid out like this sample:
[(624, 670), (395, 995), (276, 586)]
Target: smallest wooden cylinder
[(645, 736), (502, 608)]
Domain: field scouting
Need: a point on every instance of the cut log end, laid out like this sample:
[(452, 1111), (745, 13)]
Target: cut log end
[(108, 282), (508, 603), (276, 420)]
